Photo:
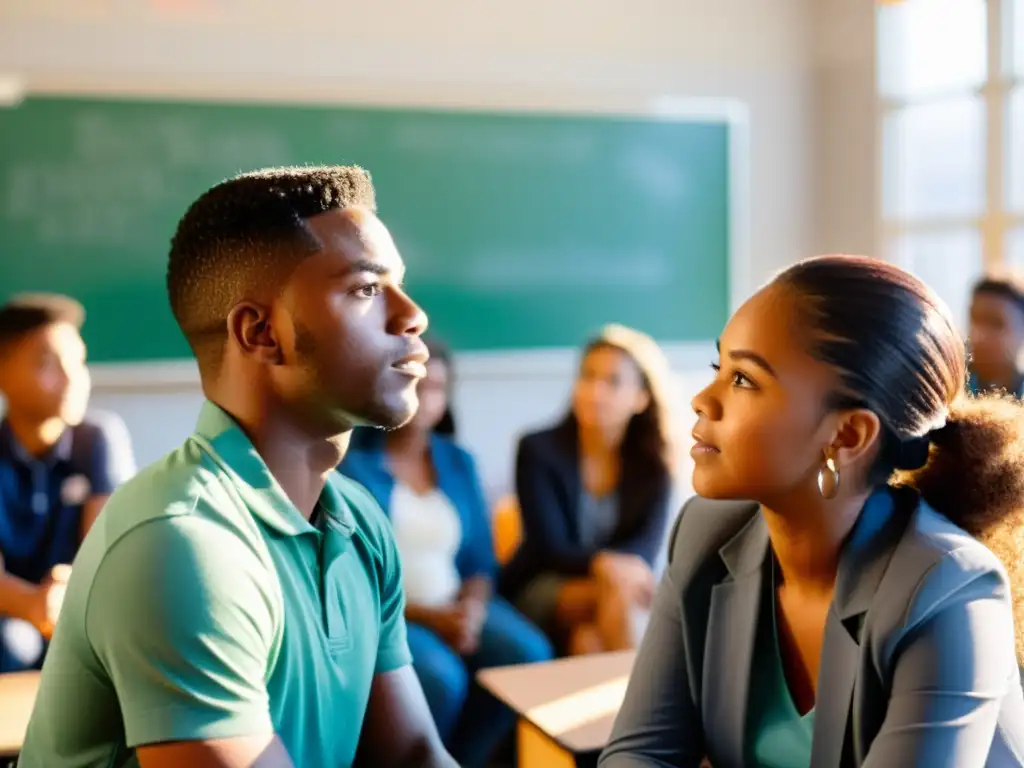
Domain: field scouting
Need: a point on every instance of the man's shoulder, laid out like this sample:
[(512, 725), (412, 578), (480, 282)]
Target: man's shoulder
[(184, 484), (176, 519)]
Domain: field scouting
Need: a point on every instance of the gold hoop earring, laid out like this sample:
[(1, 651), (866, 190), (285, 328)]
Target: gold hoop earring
[(828, 479)]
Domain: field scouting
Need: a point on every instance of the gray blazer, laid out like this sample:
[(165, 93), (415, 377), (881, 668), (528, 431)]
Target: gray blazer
[(917, 669)]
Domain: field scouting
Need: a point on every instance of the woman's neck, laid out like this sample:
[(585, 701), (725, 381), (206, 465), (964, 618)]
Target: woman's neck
[(807, 535), (407, 442), (598, 444)]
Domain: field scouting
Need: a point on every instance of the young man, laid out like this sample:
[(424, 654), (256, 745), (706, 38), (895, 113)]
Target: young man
[(997, 335), (56, 468), (240, 603)]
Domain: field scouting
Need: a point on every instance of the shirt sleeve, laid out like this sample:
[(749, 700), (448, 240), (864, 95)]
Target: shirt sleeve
[(181, 617), (113, 461)]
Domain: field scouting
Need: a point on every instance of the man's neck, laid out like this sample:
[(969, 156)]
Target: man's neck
[(1007, 378), (299, 461), (37, 438)]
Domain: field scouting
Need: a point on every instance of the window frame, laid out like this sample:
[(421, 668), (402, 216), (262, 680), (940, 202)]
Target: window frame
[(996, 219)]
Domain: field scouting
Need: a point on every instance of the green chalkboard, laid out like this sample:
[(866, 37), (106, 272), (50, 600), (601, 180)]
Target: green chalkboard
[(519, 230)]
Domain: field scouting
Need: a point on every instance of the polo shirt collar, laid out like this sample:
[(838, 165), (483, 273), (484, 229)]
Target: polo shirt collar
[(232, 450), (10, 446)]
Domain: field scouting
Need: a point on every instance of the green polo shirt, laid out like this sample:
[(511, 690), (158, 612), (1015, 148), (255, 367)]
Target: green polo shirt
[(203, 605)]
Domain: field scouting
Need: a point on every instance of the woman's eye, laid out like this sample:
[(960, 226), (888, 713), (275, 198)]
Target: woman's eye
[(741, 381)]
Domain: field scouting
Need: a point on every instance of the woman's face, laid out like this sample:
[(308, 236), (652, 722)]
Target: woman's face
[(432, 392), (609, 390), (761, 427)]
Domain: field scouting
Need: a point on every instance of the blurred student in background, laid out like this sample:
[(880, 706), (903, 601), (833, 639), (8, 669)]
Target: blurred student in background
[(593, 493), (431, 490), (56, 467), (997, 335)]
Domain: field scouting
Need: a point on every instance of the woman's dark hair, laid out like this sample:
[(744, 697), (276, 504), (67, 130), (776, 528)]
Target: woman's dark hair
[(439, 352), (648, 443), (898, 353)]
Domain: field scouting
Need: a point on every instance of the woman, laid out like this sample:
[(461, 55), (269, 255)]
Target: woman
[(821, 610), (430, 489), (997, 336), (593, 494)]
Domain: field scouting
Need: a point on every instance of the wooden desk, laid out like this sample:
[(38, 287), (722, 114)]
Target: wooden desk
[(17, 697), (565, 707)]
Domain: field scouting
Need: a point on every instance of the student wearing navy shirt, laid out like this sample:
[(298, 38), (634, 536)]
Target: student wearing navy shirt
[(56, 467), (430, 489)]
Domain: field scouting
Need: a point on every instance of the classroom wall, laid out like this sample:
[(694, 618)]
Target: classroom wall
[(846, 157), (762, 52)]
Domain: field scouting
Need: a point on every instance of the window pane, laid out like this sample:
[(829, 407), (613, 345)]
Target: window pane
[(1015, 150), (1015, 250), (928, 46), (949, 261), (935, 160), (1016, 38)]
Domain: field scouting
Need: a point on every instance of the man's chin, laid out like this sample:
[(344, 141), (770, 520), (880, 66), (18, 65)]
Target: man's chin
[(393, 414)]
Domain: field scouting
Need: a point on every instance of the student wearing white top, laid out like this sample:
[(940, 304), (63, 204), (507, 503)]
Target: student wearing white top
[(430, 489)]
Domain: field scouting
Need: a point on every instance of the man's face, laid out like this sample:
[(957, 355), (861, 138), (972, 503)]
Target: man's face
[(996, 333), (348, 332), (43, 374)]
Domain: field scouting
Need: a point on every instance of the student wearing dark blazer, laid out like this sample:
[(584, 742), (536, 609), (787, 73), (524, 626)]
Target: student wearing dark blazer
[(843, 592), (430, 489), (593, 493)]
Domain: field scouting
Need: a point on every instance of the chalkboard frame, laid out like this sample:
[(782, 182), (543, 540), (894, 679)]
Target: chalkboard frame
[(172, 375)]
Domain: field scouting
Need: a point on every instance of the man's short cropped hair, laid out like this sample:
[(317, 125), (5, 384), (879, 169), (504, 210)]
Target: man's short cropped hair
[(245, 230), (28, 312)]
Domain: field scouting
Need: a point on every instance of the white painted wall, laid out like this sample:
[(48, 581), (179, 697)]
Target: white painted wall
[(761, 52)]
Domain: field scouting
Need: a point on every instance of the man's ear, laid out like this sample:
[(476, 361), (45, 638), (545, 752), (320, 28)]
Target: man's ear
[(250, 329)]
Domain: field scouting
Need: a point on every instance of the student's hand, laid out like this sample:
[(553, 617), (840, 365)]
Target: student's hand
[(44, 606), (630, 574), (475, 609), (459, 626)]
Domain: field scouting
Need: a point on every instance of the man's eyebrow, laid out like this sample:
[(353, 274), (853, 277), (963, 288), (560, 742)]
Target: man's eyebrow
[(365, 265)]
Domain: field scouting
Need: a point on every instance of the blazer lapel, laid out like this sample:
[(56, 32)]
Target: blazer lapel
[(732, 628), (836, 677), (864, 559), (567, 457)]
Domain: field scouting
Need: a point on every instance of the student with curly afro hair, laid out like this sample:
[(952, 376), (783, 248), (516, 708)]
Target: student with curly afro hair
[(844, 589)]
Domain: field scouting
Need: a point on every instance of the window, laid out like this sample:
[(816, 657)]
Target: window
[(1016, 53), (1015, 150), (951, 97), (932, 46), (938, 160), (1015, 249), (949, 261)]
